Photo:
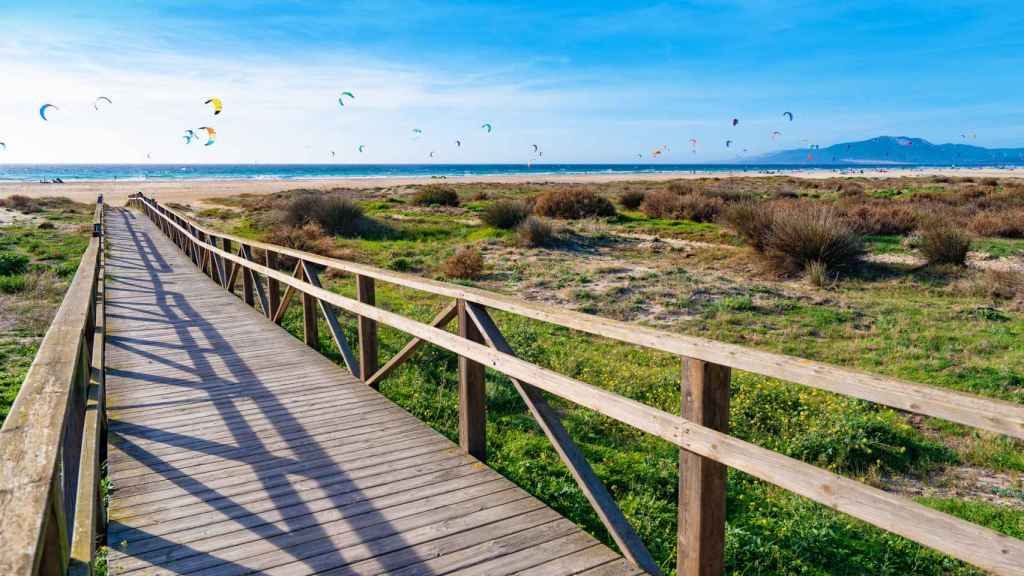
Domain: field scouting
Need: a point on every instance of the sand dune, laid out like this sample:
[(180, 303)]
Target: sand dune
[(116, 192)]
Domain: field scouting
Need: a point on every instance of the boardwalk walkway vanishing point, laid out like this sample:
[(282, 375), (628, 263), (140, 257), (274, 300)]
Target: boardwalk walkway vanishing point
[(234, 448)]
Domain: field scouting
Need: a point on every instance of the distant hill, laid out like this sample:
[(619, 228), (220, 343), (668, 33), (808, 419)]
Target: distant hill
[(894, 150)]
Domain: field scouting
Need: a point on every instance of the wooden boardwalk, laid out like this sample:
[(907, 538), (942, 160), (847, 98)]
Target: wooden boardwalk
[(236, 449)]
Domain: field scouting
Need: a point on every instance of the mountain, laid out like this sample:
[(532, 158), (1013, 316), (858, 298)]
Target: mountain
[(894, 150)]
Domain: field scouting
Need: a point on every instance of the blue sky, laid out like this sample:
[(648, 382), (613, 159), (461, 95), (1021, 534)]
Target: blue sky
[(589, 82)]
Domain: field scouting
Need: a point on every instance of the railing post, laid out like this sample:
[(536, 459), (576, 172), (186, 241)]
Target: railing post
[(472, 393), (273, 286), (701, 538), (248, 295), (368, 355), (309, 318), (228, 267)]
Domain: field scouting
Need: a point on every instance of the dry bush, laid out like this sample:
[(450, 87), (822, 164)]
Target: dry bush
[(436, 195), (801, 233), (308, 238), (684, 187), (695, 206), (994, 284), (1006, 224), (467, 263), (752, 221), (29, 205), (883, 218), (333, 214), (573, 204), (942, 242), (505, 214), (632, 199), (817, 274), (661, 204), (535, 232)]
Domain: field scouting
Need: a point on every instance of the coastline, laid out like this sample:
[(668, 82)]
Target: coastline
[(188, 190)]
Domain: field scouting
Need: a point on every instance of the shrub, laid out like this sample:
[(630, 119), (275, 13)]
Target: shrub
[(333, 214), (436, 195), (307, 238), (466, 263), (535, 232), (943, 243), (994, 284), (1006, 224), (817, 274), (661, 204), (887, 219), (505, 214), (683, 187), (11, 263), (752, 221), (802, 233), (573, 204), (631, 199), (694, 206), (12, 284)]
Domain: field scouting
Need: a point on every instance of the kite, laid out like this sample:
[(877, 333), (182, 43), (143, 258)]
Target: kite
[(639, 155), (540, 153), (431, 153), (735, 121), (149, 155), (458, 143), (217, 105), (189, 136), (3, 146), (487, 127), (693, 142), (343, 94), (417, 131), (96, 103), (211, 135), (44, 108), (728, 143), (776, 134), (535, 148), (361, 148), (332, 154), (788, 115)]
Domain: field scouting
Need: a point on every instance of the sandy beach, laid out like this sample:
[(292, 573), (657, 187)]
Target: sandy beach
[(117, 192)]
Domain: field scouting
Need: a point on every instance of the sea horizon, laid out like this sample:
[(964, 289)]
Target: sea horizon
[(25, 172)]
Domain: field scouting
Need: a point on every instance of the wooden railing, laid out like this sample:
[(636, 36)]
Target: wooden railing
[(706, 450), (52, 443)]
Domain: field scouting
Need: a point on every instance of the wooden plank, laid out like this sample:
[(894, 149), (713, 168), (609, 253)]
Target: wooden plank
[(368, 347), (591, 486), (985, 413), (701, 540), (440, 321), (260, 293), (472, 392), (313, 277)]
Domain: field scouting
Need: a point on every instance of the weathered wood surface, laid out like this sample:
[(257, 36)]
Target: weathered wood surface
[(235, 449)]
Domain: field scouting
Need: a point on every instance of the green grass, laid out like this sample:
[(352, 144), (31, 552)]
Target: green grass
[(55, 250), (770, 531), (909, 324)]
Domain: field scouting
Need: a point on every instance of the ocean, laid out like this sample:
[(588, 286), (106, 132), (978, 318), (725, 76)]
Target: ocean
[(158, 172)]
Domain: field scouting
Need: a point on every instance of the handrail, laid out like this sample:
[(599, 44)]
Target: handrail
[(701, 438), (984, 413), (50, 443)]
